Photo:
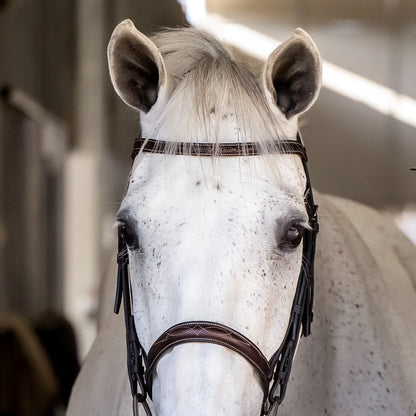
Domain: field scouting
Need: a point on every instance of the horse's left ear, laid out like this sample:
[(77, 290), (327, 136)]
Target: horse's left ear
[(136, 67), (293, 74)]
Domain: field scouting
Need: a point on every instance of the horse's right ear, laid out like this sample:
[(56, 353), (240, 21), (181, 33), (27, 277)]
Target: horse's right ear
[(136, 67)]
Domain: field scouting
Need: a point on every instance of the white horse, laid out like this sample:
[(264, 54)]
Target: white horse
[(220, 239)]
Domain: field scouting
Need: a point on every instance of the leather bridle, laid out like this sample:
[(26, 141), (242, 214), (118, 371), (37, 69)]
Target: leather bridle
[(273, 373)]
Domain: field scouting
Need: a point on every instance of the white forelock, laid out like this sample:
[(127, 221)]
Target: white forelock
[(215, 96)]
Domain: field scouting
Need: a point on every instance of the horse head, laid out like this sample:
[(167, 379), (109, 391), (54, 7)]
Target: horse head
[(213, 239)]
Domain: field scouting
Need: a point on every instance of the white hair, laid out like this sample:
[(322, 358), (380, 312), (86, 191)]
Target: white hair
[(210, 85)]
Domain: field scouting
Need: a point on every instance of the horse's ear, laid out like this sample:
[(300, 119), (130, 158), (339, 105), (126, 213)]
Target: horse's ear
[(293, 74), (136, 67)]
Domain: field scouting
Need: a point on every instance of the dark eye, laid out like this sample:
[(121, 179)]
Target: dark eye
[(128, 234), (293, 236)]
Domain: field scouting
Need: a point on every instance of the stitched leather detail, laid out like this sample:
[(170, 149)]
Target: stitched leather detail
[(214, 333), (218, 149)]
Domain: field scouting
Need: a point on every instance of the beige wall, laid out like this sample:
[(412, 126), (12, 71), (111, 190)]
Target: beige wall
[(318, 9)]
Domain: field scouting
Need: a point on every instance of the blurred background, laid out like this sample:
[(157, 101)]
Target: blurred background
[(66, 140)]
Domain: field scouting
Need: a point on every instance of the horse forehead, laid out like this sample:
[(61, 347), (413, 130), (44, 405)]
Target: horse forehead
[(243, 183)]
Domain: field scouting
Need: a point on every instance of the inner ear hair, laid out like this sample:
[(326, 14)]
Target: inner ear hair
[(294, 79), (295, 74)]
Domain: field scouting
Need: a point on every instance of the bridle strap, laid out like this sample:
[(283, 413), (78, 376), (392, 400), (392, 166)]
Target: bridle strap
[(140, 367), (142, 145), (136, 356), (300, 316), (209, 332)]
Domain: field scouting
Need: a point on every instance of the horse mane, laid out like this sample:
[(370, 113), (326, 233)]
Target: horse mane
[(211, 84)]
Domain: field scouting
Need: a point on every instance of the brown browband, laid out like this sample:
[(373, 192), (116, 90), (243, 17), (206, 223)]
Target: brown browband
[(214, 333), (218, 149)]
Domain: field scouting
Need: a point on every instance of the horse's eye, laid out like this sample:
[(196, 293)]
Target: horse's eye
[(293, 236), (128, 234)]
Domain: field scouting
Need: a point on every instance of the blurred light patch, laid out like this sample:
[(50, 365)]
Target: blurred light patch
[(250, 41), (335, 78), (376, 96), (405, 220), (195, 11)]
